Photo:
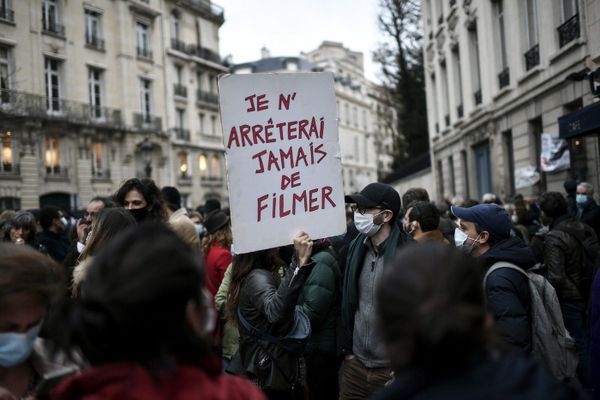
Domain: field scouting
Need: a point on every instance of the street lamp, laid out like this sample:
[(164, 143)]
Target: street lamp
[(146, 149)]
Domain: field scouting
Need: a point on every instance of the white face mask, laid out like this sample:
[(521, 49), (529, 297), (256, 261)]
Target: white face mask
[(365, 225), (514, 219), (460, 238)]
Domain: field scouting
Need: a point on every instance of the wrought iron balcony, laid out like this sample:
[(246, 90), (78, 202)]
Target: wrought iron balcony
[(204, 53), (477, 96), (532, 57), (504, 78), (29, 105), (180, 90), (53, 27), (459, 110), (7, 14), (57, 172), (95, 42), (207, 97), (568, 31), (178, 45), (182, 134), (101, 173), (147, 121), (144, 53), (206, 7), (10, 170)]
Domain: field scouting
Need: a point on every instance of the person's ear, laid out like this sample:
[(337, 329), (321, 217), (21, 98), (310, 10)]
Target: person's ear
[(415, 225), (484, 237), (195, 315), (387, 216)]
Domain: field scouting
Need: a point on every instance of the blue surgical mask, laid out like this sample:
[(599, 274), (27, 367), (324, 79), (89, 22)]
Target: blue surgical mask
[(199, 229), (16, 347), (581, 199), (232, 250)]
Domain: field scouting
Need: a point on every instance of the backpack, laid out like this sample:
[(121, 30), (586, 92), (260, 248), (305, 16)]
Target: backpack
[(551, 341), (588, 242)]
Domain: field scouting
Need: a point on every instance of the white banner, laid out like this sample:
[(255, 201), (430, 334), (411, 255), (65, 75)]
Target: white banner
[(284, 167), (555, 154), (526, 177)]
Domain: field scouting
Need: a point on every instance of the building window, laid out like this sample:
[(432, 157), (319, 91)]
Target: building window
[(6, 11), (356, 149), (52, 156), (347, 113), (434, 104), (175, 25), (202, 121), (52, 83), (503, 75), (452, 178), (95, 89), (355, 115), (143, 40), (213, 125), (6, 155), (215, 166), (445, 95), (50, 20), (568, 9), (465, 166), (203, 165), (476, 69), (458, 81), (532, 55), (93, 29), (212, 87), (364, 118), (180, 114), (199, 81), (569, 29), (509, 160), (440, 178), (99, 161), (366, 149), (536, 129), (5, 71), (145, 99), (10, 203), (184, 171)]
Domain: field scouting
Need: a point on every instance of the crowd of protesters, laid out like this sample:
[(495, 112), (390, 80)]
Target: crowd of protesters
[(142, 298)]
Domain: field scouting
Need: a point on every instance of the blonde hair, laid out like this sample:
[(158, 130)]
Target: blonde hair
[(222, 237)]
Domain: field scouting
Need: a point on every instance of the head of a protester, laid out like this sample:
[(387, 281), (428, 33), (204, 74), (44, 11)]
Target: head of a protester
[(52, 219), (143, 302), (422, 217), (374, 207), (30, 283), (480, 227), (414, 194), (553, 205), (143, 199), (106, 226), (584, 194), (211, 205), (22, 228), (94, 207), (431, 314), (218, 231), (172, 198), (570, 186)]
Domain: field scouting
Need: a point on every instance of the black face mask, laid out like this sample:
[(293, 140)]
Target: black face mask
[(139, 214)]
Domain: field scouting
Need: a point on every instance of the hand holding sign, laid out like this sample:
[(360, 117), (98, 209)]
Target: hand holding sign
[(283, 157)]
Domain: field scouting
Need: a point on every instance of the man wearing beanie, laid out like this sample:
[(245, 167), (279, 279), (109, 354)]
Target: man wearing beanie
[(484, 232), (179, 221)]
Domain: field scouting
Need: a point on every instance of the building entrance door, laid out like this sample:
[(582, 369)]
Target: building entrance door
[(483, 169)]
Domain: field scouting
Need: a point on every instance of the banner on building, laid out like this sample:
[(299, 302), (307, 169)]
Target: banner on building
[(526, 177), (283, 158), (555, 153)]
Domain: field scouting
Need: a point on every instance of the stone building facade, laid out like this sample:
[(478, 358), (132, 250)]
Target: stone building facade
[(499, 74), (89, 96)]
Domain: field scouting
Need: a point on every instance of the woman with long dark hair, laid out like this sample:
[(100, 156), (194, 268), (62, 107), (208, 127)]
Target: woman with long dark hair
[(108, 224), (22, 228), (268, 304), (143, 199), (142, 323), (440, 340)]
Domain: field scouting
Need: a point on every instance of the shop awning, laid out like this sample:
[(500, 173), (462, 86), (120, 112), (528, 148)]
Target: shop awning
[(581, 122)]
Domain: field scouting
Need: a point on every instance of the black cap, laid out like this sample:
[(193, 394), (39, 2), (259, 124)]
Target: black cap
[(172, 196), (376, 195), (215, 220)]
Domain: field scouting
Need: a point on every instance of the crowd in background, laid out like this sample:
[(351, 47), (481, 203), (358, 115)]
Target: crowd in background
[(138, 297)]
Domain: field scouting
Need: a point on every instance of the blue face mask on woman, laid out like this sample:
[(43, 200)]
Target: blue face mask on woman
[(16, 347)]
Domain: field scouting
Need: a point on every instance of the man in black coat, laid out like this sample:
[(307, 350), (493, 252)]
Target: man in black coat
[(484, 232), (52, 237), (588, 210)]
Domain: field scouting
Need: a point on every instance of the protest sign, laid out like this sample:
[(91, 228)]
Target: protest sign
[(284, 167), (555, 155)]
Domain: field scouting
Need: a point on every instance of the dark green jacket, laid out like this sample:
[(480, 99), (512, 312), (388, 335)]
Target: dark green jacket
[(356, 255), (320, 301)]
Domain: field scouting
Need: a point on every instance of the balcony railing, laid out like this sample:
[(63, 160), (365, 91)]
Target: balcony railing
[(568, 31), (10, 170), (147, 121), (101, 173), (29, 105), (532, 57), (504, 78), (207, 97), (207, 8), (144, 53), (459, 111), (182, 134), (95, 42), (180, 90), (178, 45), (57, 172), (53, 27), (477, 96), (204, 53), (7, 14)]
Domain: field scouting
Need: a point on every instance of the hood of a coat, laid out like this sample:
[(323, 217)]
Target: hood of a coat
[(512, 250)]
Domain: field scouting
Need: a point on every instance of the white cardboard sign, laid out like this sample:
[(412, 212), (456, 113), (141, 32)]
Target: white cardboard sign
[(283, 159)]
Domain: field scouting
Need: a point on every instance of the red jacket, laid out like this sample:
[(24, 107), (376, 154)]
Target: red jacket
[(217, 261), (130, 381)]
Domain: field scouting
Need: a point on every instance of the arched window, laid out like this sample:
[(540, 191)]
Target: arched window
[(175, 26), (184, 165), (203, 164), (215, 166)]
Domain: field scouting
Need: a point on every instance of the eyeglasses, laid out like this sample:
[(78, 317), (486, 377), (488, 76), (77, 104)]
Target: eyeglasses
[(362, 211)]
